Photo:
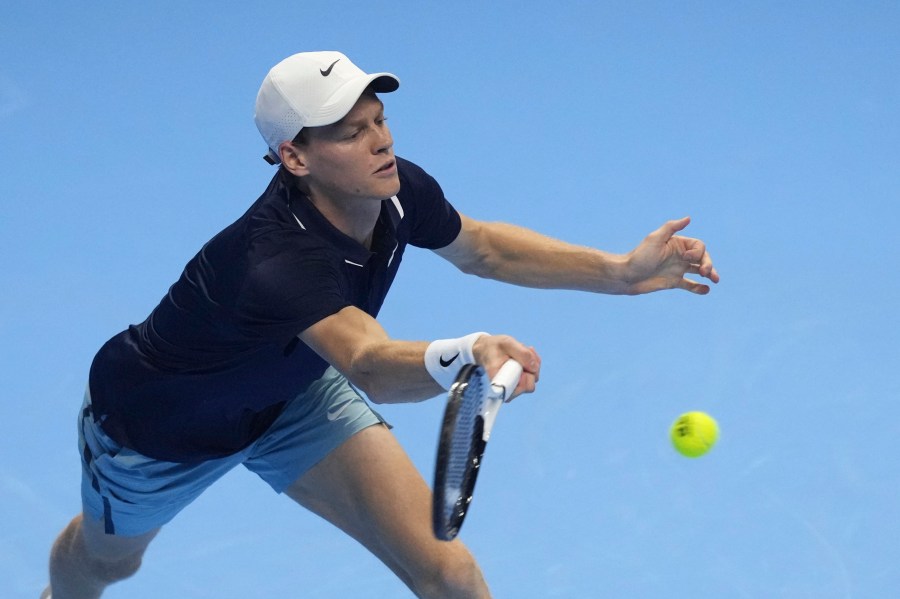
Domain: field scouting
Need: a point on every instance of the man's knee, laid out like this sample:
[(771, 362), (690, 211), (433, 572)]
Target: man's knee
[(73, 553), (456, 576), (114, 570)]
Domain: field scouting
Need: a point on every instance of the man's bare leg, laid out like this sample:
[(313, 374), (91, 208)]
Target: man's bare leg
[(370, 489), (84, 560)]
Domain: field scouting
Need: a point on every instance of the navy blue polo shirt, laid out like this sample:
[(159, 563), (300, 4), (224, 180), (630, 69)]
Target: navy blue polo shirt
[(212, 366)]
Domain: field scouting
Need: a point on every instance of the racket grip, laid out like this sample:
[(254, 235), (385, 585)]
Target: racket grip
[(506, 379)]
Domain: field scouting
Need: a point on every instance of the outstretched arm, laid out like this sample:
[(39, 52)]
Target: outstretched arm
[(522, 257)]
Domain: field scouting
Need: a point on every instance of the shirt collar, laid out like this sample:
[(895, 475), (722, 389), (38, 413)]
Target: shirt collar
[(308, 217)]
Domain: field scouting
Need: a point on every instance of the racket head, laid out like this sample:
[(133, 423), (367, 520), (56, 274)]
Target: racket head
[(460, 450)]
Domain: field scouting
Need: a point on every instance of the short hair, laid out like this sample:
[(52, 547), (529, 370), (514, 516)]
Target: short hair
[(300, 139)]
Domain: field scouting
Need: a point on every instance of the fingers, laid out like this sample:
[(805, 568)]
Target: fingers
[(709, 271), (694, 287), (531, 365), (527, 384), (670, 228), (492, 351), (701, 262), (705, 269), (506, 347)]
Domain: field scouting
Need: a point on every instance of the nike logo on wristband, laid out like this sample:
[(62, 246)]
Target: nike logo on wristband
[(327, 71), (446, 363)]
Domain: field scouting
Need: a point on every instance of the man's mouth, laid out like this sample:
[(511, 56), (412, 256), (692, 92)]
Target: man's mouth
[(387, 166)]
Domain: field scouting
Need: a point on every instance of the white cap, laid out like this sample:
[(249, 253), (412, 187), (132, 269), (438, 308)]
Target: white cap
[(311, 89)]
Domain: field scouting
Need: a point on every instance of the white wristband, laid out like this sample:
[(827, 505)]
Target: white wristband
[(444, 358)]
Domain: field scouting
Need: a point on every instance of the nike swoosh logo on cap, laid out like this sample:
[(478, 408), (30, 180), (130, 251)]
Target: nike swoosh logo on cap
[(327, 71), (446, 363)]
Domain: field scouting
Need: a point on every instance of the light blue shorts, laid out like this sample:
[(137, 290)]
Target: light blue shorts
[(135, 494)]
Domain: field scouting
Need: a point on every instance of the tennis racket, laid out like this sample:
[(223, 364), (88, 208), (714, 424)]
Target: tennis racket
[(472, 406)]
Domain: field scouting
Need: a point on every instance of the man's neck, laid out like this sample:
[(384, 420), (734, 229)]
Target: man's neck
[(355, 218)]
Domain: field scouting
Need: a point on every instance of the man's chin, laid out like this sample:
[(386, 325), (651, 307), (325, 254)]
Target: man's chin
[(392, 190)]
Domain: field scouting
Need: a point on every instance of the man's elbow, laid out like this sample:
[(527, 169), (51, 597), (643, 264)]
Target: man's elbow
[(377, 391), (478, 265), (364, 375)]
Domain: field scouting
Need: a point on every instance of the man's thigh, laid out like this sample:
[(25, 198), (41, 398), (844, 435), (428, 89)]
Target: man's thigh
[(369, 488), (311, 426)]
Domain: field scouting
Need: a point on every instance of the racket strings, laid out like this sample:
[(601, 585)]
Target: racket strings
[(460, 449), (465, 449), (471, 408)]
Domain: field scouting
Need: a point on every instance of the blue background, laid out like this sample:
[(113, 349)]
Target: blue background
[(127, 140)]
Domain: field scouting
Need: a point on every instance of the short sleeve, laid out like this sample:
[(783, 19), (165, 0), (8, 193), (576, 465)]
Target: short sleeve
[(434, 222)]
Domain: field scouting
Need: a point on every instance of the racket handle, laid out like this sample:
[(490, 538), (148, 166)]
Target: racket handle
[(506, 379), (502, 387)]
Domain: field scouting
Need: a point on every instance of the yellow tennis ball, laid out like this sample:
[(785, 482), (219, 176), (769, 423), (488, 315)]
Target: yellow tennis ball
[(694, 433)]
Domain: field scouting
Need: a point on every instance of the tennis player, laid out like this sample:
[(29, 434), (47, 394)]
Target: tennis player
[(256, 354)]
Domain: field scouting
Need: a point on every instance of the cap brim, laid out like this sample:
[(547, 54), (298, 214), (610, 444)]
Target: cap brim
[(345, 98), (384, 83)]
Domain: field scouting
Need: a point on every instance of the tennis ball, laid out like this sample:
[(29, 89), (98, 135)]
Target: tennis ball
[(694, 433)]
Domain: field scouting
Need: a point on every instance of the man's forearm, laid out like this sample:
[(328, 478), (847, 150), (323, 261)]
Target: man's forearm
[(523, 257), (393, 371)]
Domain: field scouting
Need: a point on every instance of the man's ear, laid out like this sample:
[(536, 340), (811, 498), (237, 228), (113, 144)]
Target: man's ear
[(293, 158)]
